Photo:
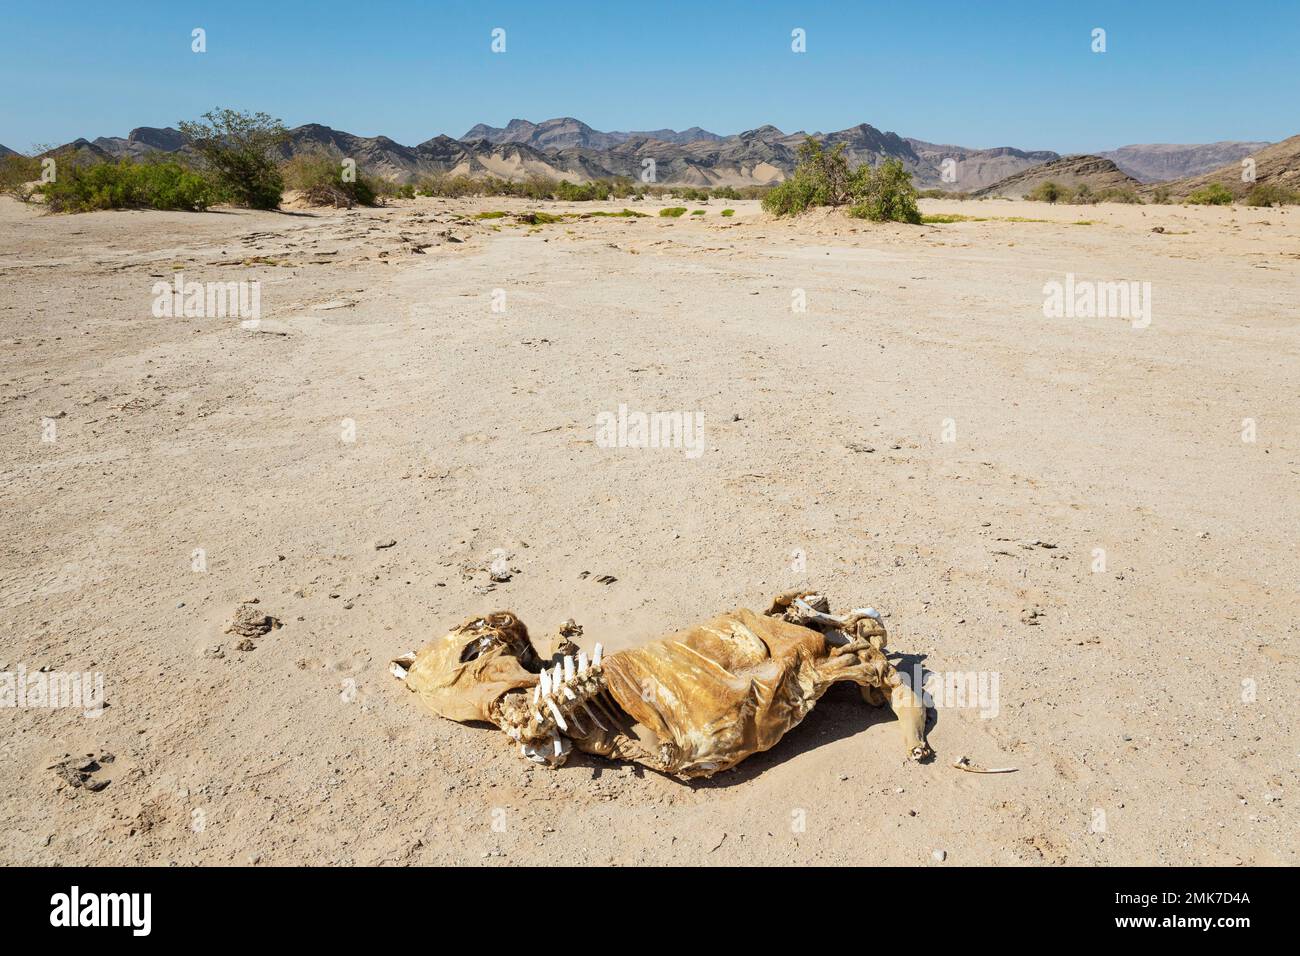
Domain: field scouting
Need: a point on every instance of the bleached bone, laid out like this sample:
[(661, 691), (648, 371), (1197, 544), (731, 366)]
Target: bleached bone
[(555, 712)]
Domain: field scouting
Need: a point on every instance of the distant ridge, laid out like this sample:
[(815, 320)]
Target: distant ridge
[(1162, 162), (567, 131), (567, 148)]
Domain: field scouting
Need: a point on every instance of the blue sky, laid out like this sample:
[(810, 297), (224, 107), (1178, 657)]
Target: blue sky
[(970, 73)]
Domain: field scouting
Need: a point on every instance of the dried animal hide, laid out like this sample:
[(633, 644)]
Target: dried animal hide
[(689, 704)]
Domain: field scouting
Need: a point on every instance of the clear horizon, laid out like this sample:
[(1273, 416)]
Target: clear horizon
[(1014, 75)]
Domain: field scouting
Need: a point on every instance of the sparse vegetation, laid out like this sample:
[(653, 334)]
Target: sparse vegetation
[(942, 194), (822, 178), (727, 212), (690, 193), (698, 212), (323, 181), (127, 185), (240, 151), (1271, 194), (387, 188), (535, 187), (947, 217), (544, 188), (673, 211), (1215, 194), (539, 218), (624, 214)]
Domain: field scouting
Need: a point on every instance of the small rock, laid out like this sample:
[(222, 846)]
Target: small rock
[(939, 856), (385, 543), (251, 622)]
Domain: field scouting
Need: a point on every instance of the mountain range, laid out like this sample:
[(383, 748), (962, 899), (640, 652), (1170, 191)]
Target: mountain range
[(567, 148)]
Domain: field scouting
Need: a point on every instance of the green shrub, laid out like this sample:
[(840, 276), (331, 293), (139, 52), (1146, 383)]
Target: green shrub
[(1271, 194), (127, 185), (1215, 194), (625, 214), (822, 178), (17, 172), (1119, 194), (791, 197), (241, 152), (1162, 196), (942, 194), (697, 212), (728, 212), (885, 194), (1049, 192), (673, 211), (319, 176)]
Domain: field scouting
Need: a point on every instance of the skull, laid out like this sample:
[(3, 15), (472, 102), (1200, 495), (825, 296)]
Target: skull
[(690, 704)]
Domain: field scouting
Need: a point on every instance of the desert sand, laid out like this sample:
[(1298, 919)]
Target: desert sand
[(922, 439)]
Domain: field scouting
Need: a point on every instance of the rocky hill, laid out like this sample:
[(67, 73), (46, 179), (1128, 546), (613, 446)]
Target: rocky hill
[(1277, 165), (1072, 171)]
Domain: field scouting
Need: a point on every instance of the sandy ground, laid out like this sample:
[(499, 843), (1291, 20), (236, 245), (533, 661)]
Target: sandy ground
[(1149, 707)]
